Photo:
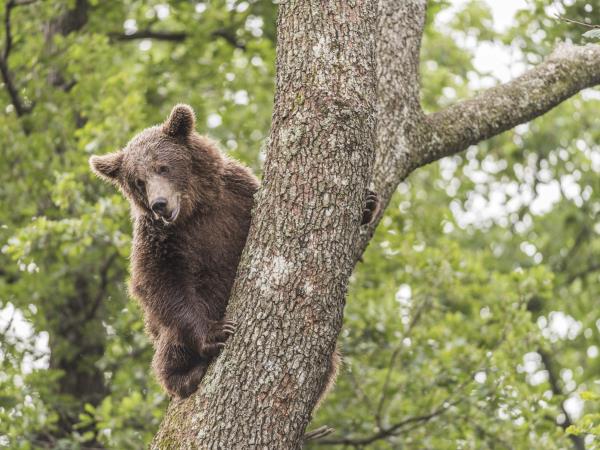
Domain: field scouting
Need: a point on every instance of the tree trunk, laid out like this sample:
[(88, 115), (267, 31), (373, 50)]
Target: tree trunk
[(289, 296), (304, 241)]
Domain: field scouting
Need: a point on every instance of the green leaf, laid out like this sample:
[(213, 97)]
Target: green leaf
[(7, 402), (592, 34)]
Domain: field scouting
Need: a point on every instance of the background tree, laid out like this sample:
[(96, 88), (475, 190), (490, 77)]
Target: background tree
[(451, 331)]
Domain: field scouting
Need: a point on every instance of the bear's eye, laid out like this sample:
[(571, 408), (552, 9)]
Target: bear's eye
[(140, 184), (163, 170)]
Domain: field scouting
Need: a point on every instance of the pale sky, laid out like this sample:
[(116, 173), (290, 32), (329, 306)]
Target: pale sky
[(492, 58)]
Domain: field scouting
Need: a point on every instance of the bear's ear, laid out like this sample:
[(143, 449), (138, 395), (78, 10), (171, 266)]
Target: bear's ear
[(107, 166), (181, 121)]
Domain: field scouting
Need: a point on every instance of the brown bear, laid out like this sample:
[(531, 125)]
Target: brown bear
[(191, 208)]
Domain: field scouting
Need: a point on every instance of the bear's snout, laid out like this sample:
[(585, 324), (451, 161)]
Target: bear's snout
[(159, 206)]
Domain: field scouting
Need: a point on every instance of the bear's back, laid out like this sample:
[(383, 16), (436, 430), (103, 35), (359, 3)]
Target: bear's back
[(217, 240)]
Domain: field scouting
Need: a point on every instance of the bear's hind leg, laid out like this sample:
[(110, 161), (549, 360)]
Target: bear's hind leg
[(329, 379), (184, 384), (177, 368)]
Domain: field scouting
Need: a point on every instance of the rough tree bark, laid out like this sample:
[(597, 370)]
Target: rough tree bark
[(289, 296)]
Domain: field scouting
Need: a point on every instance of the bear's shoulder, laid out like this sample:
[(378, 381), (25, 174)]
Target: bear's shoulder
[(239, 179)]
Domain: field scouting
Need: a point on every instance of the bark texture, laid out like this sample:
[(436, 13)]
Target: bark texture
[(568, 70), (305, 240), (289, 297), (399, 114), (408, 139)]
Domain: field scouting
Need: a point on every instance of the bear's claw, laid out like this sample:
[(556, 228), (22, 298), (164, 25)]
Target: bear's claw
[(219, 332), (228, 327), (371, 207)]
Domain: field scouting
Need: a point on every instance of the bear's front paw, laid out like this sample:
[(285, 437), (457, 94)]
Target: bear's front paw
[(214, 340), (371, 207)]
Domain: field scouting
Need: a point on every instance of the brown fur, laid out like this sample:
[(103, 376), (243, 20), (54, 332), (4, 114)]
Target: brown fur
[(191, 209)]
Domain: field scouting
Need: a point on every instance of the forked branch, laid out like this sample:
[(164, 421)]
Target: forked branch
[(20, 107)]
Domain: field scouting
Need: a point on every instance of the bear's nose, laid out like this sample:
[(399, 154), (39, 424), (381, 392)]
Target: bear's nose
[(159, 206)]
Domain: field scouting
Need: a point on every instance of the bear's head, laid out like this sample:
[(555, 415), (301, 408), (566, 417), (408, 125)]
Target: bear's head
[(167, 171)]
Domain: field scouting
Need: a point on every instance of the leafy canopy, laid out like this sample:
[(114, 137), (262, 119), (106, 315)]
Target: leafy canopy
[(471, 322)]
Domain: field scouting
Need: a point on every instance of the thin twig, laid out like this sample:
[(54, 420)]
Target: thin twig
[(7, 33), (576, 22), (594, 267), (318, 433), (104, 280), (358, 390), (394, 429), (392, 363), (418, 421), (9, 323), (102, 288)]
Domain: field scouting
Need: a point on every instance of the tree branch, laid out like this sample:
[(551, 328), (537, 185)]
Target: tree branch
[(230, 37), (568, 70), (23, 2), (394, 429), (170, 36), (578, 441), (7, 31), (20, 107), (71, 20), (576, 22), (176, 36), (400, 29)]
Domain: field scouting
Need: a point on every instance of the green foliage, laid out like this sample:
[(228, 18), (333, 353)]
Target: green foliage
[(592, 34), (66, 236), (589, 423), (450, 312)]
